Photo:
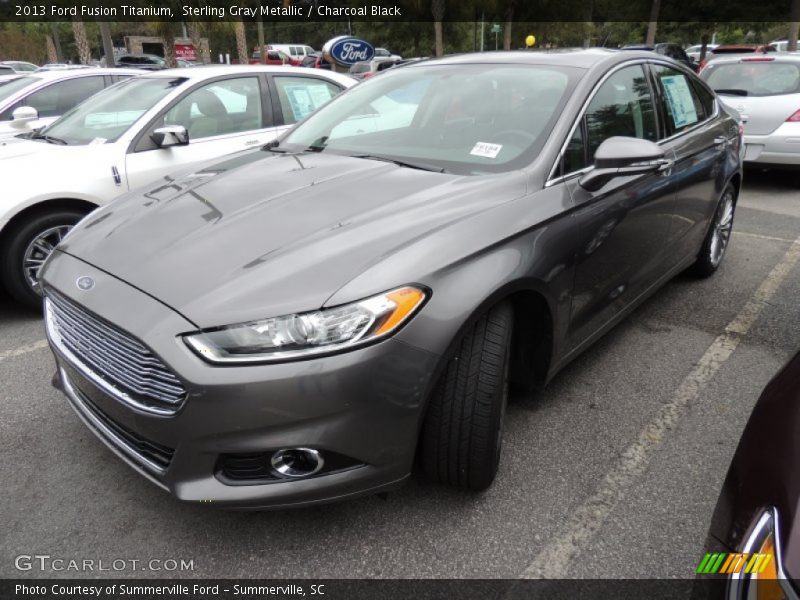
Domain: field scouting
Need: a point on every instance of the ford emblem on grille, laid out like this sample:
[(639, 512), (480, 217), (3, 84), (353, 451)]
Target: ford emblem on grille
[(85, 282)]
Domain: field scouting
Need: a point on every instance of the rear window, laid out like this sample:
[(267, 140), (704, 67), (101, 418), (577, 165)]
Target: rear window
[(754, 78)]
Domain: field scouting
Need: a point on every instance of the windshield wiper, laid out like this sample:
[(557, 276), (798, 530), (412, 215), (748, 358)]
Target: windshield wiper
[(318, 145), (49, 139), (273, 147), (401, 163), (732, 92)]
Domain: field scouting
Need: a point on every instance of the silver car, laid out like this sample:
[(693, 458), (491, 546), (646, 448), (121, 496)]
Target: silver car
[(297, 323), (765, 91)]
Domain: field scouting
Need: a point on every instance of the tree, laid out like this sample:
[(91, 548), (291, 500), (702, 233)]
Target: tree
[(653, 23), (166, 30), (81, 41), (195, 34), (108, 45), (794, 25), (52, 56), (437, 9), (241, 42), (509, 23)]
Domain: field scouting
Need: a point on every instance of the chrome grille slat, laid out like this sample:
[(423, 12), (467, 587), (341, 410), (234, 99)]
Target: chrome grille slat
[(120, 359), (73, 335)]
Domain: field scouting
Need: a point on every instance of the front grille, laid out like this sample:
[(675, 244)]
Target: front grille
[(151, 452), (113, 355)]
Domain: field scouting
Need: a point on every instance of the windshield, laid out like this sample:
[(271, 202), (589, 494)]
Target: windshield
[(754, 78), (110, 113), (11, 86), (467, 119)]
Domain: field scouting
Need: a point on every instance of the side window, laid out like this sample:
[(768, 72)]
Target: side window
[(300, 96), (575, 153), (219, 108), (56, 99), (623, 105), (682, 107), (707, 99)]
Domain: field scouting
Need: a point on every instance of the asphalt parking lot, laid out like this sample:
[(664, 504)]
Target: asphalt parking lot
[(613, 471)]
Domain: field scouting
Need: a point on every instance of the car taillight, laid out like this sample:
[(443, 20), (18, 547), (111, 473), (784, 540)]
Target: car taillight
[(795, 118)]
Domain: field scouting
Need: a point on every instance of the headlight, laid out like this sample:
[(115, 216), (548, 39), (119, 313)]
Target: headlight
[(312, 333), (757, 573)]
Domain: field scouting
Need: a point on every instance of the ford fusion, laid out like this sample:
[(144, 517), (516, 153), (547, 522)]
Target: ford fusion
[(307, 321)]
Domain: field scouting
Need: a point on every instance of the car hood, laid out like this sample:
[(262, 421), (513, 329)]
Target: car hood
[(264, 234), (9, 129)]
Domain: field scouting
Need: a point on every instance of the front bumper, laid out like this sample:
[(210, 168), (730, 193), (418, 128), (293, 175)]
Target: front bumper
[(781, 147), (365, 405)]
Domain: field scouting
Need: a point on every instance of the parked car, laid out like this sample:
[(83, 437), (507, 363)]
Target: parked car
[(310, 60), (275, 57), (313, 314), (297, 51), (368, 68), (673, 51), (132, 134), (146, 62), (780, 45), (31, 101), (7, 70), (62, 67), (756, 514), (765, 91), (20, 66), (736, 50), (693, 52), (384, 53)]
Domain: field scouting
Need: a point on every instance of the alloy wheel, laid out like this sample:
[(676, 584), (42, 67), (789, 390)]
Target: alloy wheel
[(39, 249), (723, 226)]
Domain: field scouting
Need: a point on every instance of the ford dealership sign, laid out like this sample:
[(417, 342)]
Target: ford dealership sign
[(345, 50)]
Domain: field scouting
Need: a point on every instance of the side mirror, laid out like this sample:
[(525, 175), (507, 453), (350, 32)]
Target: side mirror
[(622, 157), (24, 114), (170, 135)]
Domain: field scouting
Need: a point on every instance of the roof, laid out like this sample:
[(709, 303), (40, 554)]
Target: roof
[(584, 58), (207, 71), (57, 74)]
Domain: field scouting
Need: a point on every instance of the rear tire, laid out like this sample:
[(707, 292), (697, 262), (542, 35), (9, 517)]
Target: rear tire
[(18, 250), (718, 237), (463, 429)]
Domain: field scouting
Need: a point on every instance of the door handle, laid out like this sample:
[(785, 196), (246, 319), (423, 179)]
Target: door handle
[(665, 165), (721, 141)]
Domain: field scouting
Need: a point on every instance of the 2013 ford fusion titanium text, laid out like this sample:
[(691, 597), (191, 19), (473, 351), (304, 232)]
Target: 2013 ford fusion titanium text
[(296, 324)]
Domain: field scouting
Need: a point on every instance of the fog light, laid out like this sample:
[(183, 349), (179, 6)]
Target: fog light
[(297, 462)]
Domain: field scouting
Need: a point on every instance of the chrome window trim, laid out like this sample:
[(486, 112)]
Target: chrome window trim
[(99, 427), (88, 372), (553, 180)]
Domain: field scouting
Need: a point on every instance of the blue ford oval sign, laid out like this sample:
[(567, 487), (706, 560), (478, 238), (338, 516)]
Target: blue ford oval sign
[(346, 51)]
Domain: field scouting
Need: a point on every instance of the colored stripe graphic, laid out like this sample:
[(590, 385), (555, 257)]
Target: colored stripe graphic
[(729, 563)]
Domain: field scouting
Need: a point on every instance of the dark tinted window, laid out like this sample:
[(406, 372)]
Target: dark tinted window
[(682, 108), (575, 153), (706, 98), (58, 98), (623, 105)]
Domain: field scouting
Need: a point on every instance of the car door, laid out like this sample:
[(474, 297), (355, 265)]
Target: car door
[(221, 116), (622, 226), (699, 142), (294, 97)]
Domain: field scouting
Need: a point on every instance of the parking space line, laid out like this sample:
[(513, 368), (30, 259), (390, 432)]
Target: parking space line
[(764, 237), (554, 560), (37, 345)]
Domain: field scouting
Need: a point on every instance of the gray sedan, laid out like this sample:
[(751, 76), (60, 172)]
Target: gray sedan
[(765, 91), (305, 322)]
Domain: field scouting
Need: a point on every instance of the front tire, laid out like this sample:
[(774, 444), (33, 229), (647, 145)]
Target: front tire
[(25, 249), (718, 236), (463, 429)]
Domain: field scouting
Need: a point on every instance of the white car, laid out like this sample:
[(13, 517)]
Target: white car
[(32, 100), (20, 66), (132, 134), (765, 91), (693, 52)]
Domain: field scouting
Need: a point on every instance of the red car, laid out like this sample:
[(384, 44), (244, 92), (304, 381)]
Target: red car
[(274, 57)]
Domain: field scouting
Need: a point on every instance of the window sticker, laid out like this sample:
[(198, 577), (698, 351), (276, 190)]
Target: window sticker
[(486, 150), (305, 99), (679, 98)]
